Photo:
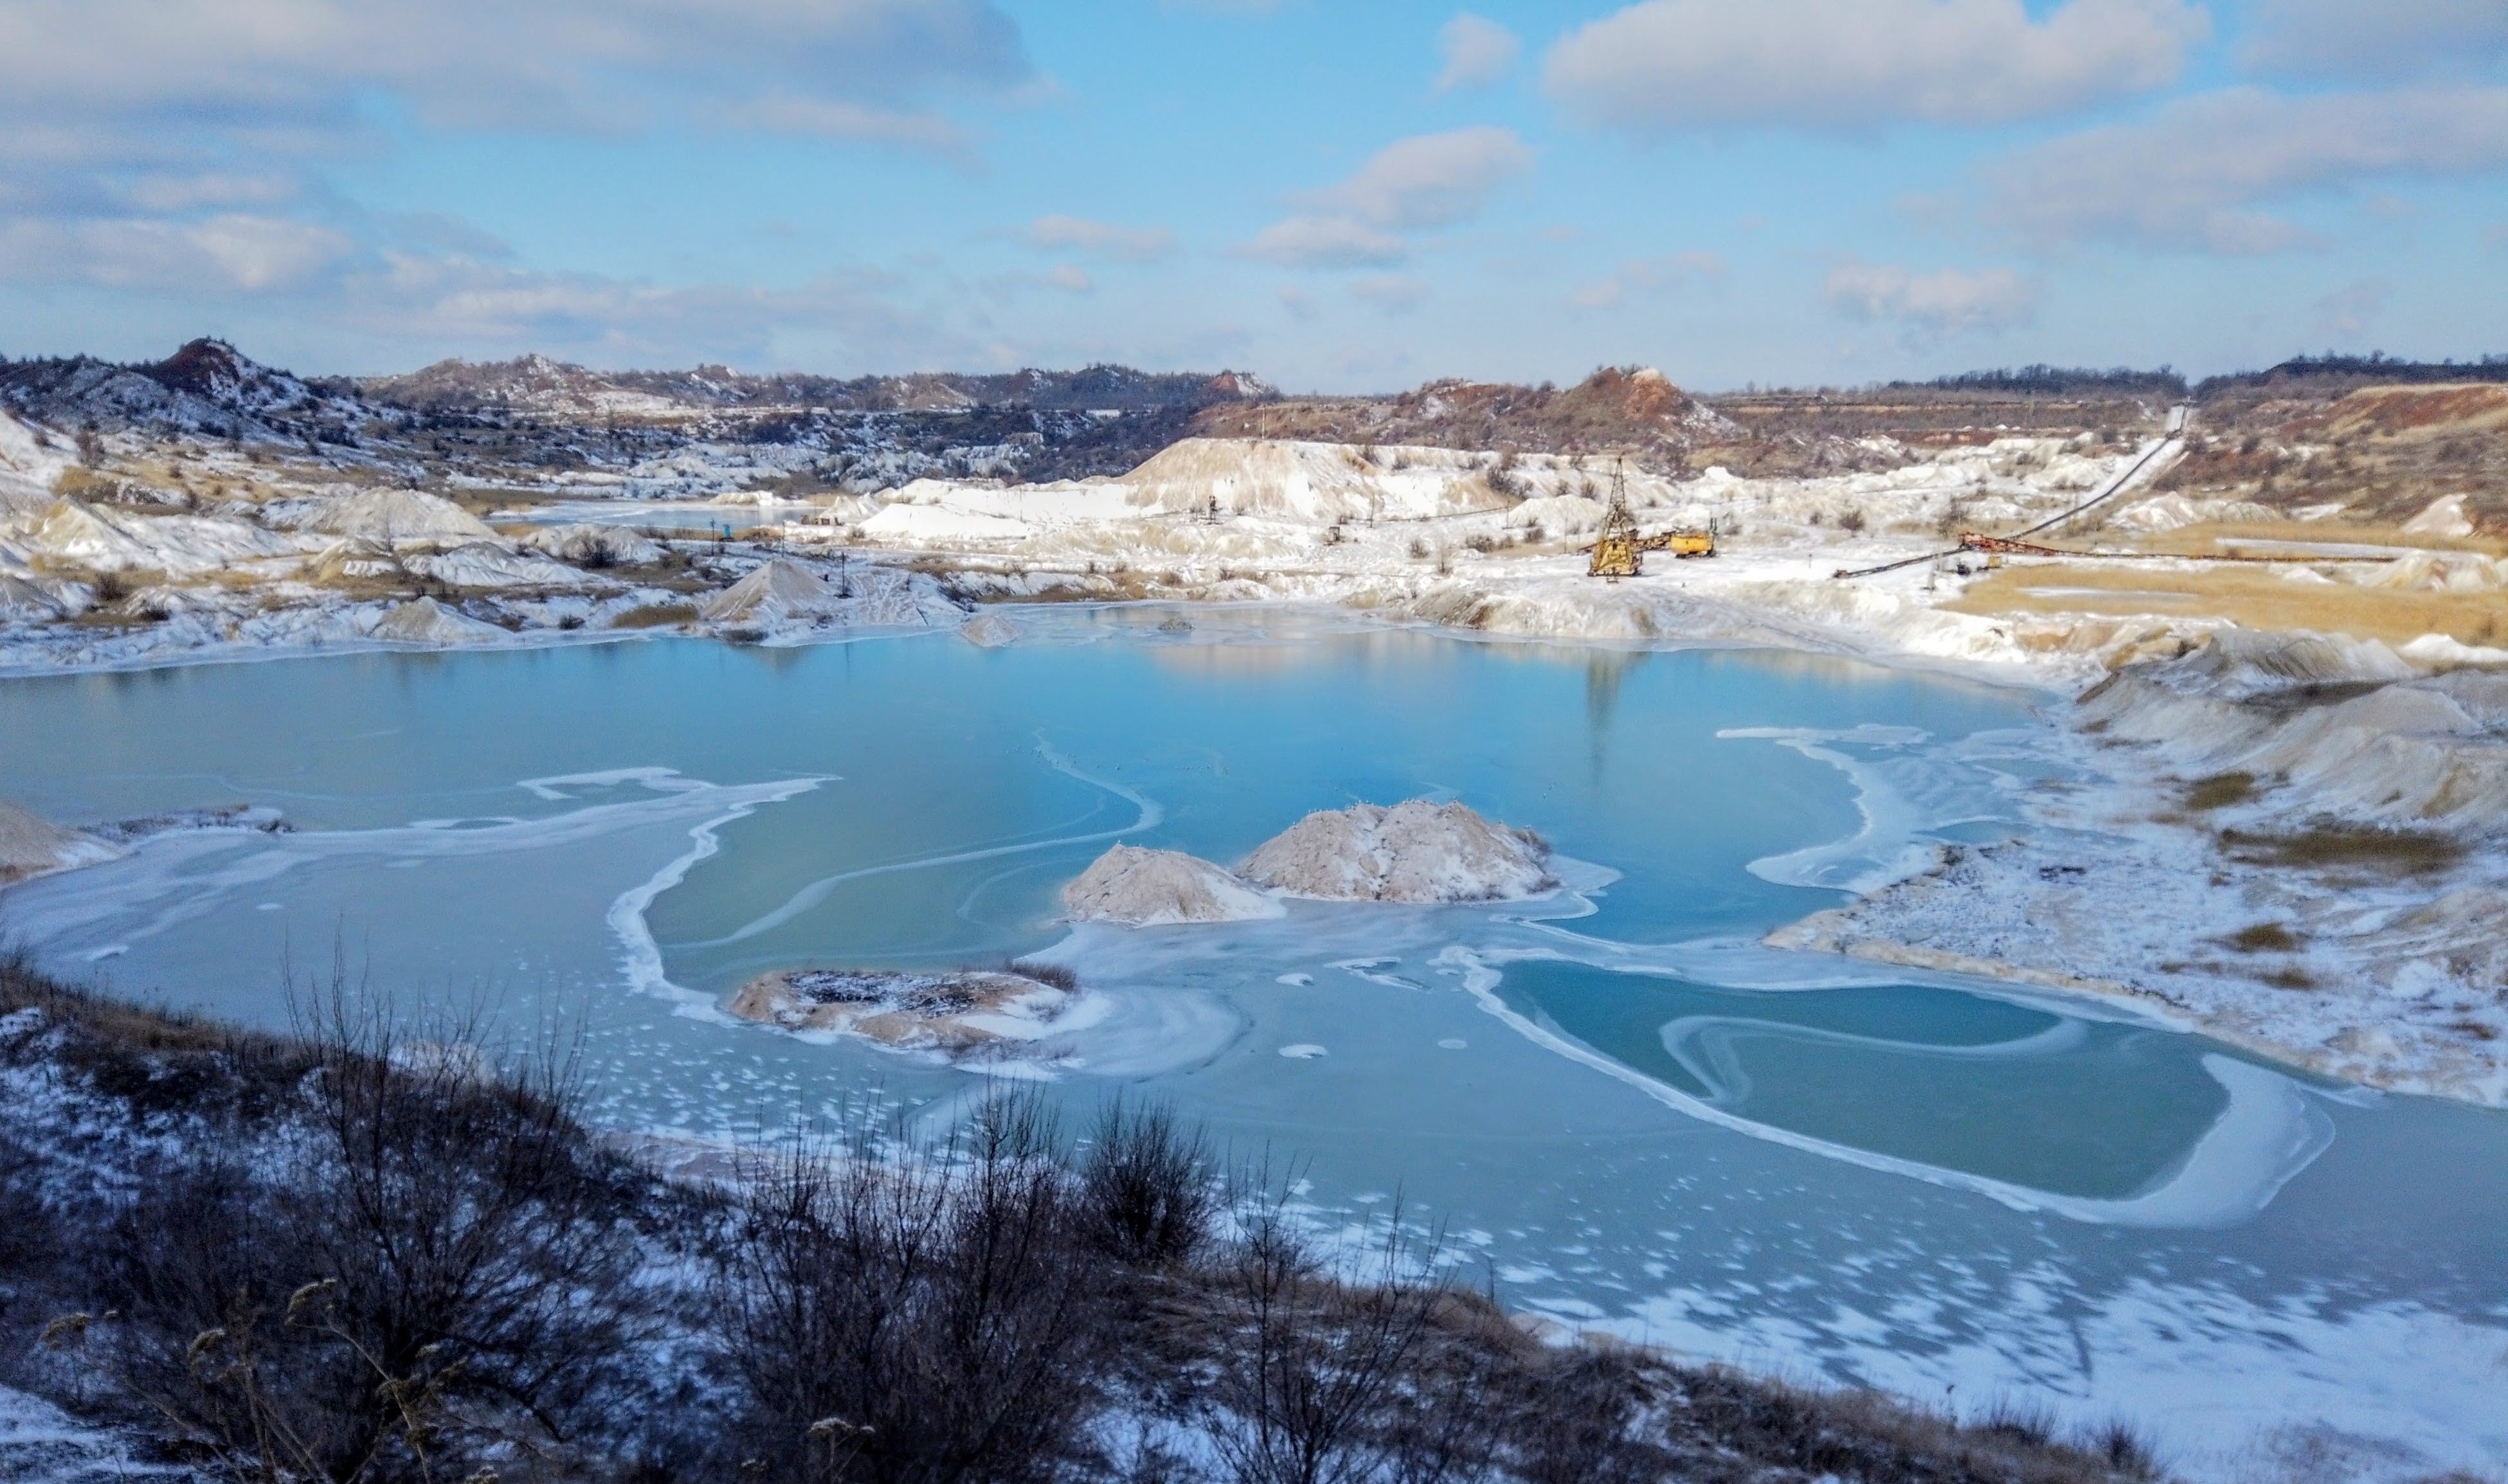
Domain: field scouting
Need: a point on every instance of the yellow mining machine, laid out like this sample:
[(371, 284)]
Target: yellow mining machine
[(1620, 551)]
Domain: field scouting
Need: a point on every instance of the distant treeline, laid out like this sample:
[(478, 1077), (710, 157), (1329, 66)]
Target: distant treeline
[(2377, 366), (2124, 381), (2057, 382)]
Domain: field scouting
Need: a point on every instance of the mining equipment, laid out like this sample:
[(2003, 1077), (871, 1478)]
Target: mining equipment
[(1620, 550)]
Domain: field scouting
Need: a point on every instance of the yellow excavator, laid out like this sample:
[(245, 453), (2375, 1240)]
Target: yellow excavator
[(1619, 551)]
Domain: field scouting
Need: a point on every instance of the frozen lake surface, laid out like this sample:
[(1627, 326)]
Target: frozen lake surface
[(1618, 1107)]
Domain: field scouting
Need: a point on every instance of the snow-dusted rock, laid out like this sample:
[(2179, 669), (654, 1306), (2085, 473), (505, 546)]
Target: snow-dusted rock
[(587, 544), (22, 599), (79, 534), (27, 469), (32, 847), (353, 559), (396, 516), (488, 564), (989, 631), (951, 1013), (424, 620), (1416, 852), (1150, 889)]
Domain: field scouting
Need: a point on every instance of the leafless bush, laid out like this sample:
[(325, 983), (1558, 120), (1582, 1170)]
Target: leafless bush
[(925, 1321), (1317, 1385), (1146, 1194), (1419, 547), (1852, 522), (439, 1263)]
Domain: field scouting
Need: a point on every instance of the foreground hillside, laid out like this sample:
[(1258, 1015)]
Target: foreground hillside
[(358, 1255)]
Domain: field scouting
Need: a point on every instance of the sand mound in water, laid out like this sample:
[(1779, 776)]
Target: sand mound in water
[(33, 846), (1416, 852), (1153, 888), (951, 1013)]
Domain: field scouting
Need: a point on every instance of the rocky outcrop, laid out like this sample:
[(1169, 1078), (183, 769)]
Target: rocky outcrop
[(1416, 851), (1154, 888), (952, 1013)]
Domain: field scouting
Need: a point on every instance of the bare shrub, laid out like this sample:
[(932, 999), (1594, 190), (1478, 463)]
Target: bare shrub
[(1146, 1194), (1316, 1387), (1852, 522), (439, 1265), (924, 1321)]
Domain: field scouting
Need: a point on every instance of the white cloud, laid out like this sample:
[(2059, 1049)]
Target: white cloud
[(1413, 185), (1648, 276), (1074, 234), (231, 252), (2200, 174), (1948, 301), (2372, 38), (1393, 293), (551, 64), (1476, 51), (1859, 63), (1298, 301), (1325, 242), (1071, 279), (1430, 180)]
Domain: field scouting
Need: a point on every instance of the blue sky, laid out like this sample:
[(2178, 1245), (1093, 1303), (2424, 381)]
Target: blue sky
[(1340, 196)]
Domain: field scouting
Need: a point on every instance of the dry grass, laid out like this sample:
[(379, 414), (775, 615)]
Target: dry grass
[(2410, 853), (2250, 596), (2222, 791), (656, 616), (2263, 938)]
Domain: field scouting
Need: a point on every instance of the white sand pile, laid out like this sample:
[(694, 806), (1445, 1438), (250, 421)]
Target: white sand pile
[(424, 620), (947, 1013), (489, 564), (1559, 515), (2174, 511), (1153, 888), (397, 516), (30, 846), (589, 545), (991, 631), (2443, 517), (777, 589), (1416, 852)]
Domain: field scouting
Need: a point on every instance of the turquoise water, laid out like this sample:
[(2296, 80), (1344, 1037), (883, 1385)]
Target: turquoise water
[(1619, 1108)]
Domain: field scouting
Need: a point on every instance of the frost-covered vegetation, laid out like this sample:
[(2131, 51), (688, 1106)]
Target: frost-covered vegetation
[(347, 1254)]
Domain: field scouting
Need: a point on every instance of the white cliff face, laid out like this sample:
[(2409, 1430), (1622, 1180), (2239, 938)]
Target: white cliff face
[(1416, 851), (1152, 889)]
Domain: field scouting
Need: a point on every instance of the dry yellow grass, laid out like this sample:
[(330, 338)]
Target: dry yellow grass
[(2250, 596)]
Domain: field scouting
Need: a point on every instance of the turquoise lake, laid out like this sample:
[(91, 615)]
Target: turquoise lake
[(1618, 1108)]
